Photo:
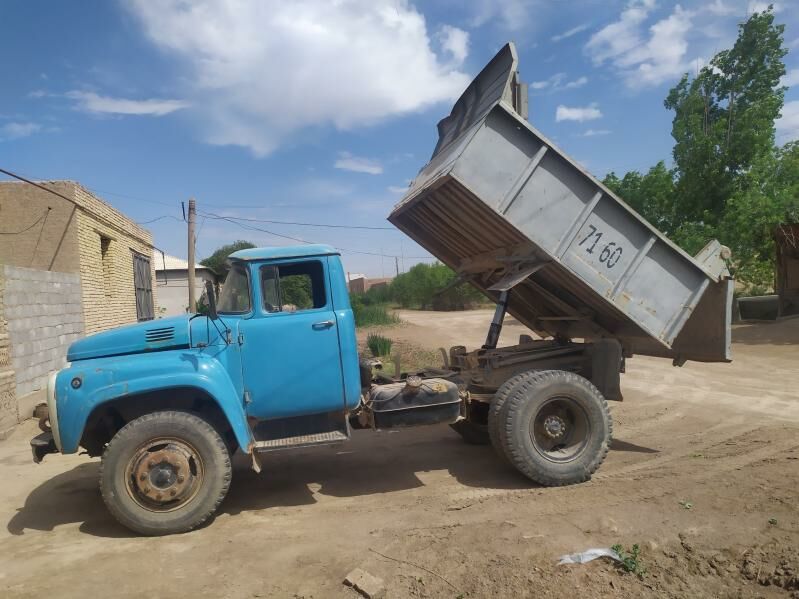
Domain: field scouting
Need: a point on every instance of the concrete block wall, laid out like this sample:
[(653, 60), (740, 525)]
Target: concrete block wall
[(109, 296), (44, 314), (9, 414)]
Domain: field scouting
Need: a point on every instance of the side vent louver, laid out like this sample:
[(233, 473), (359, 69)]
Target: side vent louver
[(159, 335)]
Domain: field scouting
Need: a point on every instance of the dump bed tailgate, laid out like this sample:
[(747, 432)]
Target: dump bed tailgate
[(506, 209)]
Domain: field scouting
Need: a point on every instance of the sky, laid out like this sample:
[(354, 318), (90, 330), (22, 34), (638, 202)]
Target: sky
[(321, 111)]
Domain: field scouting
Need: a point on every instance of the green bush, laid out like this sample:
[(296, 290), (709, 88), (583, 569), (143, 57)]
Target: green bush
[(425, 286), (370, 315), (378, 345)]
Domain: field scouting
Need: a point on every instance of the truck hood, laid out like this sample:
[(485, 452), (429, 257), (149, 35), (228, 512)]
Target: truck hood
[(154, 335)]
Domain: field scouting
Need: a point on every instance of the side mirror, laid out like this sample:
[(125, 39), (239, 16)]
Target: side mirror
[(211, 297)]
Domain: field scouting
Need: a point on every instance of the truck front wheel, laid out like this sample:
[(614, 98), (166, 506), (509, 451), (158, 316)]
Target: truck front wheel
[(165, 472), (554, 427)]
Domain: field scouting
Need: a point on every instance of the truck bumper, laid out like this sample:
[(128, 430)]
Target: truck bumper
[(41, 445)]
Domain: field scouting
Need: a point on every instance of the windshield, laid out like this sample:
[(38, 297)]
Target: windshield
[(234, 297)]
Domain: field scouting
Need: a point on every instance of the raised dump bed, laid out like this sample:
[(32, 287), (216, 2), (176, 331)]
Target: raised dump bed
[(509, 211)]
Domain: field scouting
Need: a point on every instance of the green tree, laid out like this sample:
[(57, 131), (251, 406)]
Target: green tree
[(730, 180), (296, 290), (426, 286), (216, 261), (768, 199), (651, 195), (724, 120)]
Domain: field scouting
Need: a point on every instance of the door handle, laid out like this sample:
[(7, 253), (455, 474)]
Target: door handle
[(325, 324)]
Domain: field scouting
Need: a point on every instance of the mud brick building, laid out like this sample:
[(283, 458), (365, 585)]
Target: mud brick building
[(69, 266)]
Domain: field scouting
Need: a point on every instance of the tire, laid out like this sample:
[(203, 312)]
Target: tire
[(495, 413), (472, 433), (554, 427), (164, 473)]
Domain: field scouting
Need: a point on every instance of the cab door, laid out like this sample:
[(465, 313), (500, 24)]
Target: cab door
[(290, 347)]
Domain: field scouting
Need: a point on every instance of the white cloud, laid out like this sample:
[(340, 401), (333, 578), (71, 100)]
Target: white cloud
[(357, 164), (397, 189), (596, 132), (92, 102), (37, 93), (16, 130), (512, 15), (620, 37), (579, 82), (644, 61), (575, 113), (720, 9), (456, 42), (570, 32), (260, 71), (553, 82), (757, 6), (788, 123), (556, 82), (794, 43), (790, 78)]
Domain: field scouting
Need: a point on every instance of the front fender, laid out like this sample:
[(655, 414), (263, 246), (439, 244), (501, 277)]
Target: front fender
[(106, 379)]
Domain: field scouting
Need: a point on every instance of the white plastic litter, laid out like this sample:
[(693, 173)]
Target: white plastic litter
[(588, 555)]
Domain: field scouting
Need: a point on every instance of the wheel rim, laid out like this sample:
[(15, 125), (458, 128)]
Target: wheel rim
[(560, 429), (164, 474)]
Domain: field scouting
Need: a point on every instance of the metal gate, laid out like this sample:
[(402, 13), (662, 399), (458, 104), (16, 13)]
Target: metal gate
[(143, 284)]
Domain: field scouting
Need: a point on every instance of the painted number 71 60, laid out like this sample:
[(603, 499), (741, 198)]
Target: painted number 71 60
[(611, 252)]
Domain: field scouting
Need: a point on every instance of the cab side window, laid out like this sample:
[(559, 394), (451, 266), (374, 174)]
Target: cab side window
[(293, 287)]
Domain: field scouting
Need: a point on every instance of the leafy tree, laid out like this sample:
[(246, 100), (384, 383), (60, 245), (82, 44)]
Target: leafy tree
[(296, 290), (769, 198), (729, 180), (651, 195), (724, 119), (425, 286), (216, 261)]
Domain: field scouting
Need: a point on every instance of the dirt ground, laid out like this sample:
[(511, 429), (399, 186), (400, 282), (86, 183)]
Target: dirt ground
[(703, 475)]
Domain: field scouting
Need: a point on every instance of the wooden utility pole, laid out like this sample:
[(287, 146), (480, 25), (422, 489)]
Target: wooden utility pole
[(192, 240), (396, 264)]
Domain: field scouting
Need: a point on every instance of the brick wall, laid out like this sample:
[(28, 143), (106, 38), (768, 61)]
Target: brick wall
[(8, 383), (46, 224), (106, 242), (44, 315), (62, 282)]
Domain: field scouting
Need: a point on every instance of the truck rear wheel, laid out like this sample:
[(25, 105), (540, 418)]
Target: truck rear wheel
[(165, 473), (554, 427)]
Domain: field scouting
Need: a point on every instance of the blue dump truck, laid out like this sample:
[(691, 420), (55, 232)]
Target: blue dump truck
[(166, 403)]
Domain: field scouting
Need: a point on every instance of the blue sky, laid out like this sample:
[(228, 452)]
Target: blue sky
[(321, 112)]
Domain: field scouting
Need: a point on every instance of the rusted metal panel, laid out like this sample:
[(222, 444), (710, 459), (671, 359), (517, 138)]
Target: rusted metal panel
[(497, 196)]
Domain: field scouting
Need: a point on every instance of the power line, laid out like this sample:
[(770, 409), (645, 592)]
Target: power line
[(77, 205), (342, 249), (298, 224), (129, 197), (147, 222), (29, 227)]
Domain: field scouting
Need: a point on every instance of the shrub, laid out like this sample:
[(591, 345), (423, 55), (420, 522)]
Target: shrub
[(369, 315), (378, 345)]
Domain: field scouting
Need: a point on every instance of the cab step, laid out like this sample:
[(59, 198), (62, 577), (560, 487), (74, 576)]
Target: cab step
[(301, 431), (302, 441)]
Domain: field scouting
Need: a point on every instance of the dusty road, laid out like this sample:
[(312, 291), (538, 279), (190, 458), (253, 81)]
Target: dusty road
[(704, 475)]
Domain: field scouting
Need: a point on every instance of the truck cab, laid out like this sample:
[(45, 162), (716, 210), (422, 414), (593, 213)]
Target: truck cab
[(275, 365)]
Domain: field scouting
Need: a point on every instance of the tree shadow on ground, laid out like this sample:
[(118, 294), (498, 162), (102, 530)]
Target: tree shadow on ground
[(371, 463)]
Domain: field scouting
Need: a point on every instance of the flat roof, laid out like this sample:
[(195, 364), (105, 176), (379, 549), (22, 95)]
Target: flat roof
[(287, 251)]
